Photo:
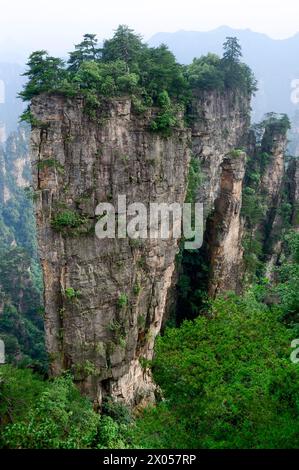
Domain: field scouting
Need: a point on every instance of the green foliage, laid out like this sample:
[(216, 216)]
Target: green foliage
[(67, 219), (44, 73), (253, 207), (206, 73), (287, 287), (84, 369), (117, 411), (50, 163), (112, 435), (23, 337), (53, 414), (40, 414), (253, 251), (232, 50), (236, 153), (125, 45), (118, 329), (227, 380), (192, 284), (122, 300), (86, 51), (19, 388), (166, 119), (137, 288), (21, 326), (195, 179), (285, 212), (71, 293), (191, 266), (27, 117), (253, 210), (126, 66), (210, 72), (236, 73), (277, 122)]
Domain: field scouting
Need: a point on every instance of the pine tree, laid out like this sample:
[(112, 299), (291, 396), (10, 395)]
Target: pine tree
[(232, 50), (87, 50)]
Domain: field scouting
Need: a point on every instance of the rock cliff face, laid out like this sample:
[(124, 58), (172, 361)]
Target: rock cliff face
[(225, 228), (220, 124), (268, 184), (293, 190), (274, 143), (275, 193), (104, 299)]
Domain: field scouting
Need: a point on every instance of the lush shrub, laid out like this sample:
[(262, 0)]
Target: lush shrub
[(38, 414), (67, 219), (52, 414), (287, 288), (228, 382)]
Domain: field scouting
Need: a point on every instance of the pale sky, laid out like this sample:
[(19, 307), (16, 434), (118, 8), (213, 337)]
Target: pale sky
[(55, 25)]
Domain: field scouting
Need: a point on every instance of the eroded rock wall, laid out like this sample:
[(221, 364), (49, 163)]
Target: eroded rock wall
[(220, 123), (104, 299), (225, 228)]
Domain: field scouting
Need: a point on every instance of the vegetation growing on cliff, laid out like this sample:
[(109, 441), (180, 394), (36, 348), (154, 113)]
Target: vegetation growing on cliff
[(125, 65), (255, 208)]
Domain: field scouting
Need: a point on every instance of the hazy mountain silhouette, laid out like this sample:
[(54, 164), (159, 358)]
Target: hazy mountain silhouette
[(11, 106), (274, 62)]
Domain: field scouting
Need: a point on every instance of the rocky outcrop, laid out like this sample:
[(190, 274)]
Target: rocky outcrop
[(220, 123), (272, 189), (104, 299), (268, 203), (293, 190), (224, 230), (274, 144)]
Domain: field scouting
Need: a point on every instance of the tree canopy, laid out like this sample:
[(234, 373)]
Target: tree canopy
[(125, 65)]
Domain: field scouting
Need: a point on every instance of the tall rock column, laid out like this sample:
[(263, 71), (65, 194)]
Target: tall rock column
[(274, 144), (224, 228), (220, 124), (104, 299), (272, 189)]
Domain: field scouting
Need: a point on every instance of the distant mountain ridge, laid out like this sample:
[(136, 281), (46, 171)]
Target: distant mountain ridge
[(11, 82), (274, 62)]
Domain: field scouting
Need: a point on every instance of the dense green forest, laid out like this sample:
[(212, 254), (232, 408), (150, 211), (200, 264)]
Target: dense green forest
[(224, 375)]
